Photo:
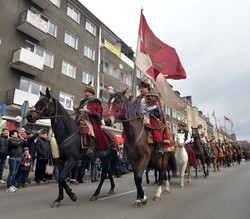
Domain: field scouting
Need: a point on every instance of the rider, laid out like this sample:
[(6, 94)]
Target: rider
[(89, 116), (188, 141), (149, 104)]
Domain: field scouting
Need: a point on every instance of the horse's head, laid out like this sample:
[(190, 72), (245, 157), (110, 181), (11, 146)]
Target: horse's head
[(195, 133), (43, 107), (116, 108), (180, 137)]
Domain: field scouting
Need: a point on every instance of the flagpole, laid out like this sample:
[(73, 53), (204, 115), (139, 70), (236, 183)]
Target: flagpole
[(215, 120)]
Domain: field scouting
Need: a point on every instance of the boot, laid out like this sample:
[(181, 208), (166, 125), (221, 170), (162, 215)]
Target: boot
[(159, 148)]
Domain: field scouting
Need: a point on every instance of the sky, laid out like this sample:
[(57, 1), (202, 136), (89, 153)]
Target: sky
[(212, 39)]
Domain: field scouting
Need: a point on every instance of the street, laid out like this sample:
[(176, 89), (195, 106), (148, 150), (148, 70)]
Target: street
[(224, 194)]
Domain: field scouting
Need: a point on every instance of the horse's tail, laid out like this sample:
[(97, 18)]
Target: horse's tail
[(172, 164)]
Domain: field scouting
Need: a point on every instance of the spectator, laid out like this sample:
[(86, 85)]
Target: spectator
[(32, 145), (93, 169), (24, 168), (3, 152), (43, 155), (15, 155), (84, 165), (22, 133)]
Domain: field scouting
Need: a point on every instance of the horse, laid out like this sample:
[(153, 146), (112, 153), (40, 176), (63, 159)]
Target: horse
[(136, 146), (69, 144), (200, 152), (181, 157)]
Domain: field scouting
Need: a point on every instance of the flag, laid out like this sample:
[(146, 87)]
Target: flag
[(213, 114), (227, 119), (154, 57)]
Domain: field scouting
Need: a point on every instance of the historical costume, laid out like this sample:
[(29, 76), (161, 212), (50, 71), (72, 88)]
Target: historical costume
[(89, 116), (191, 155), (149, 105)]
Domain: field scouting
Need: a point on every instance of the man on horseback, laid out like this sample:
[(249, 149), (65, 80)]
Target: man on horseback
[(188, 141), (149, 105), (88, 117)]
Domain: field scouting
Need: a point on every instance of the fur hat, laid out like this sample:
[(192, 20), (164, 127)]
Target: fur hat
[(144, 84), (89, 89), (182, 124)]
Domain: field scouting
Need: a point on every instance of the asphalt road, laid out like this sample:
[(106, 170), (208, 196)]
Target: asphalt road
[(224, 194)]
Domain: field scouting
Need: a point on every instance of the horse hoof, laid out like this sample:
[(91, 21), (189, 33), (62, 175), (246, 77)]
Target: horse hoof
[(111, 192), (188, 181), (137, 203), (55, 205), (144, 201), (181, 187), (93, 198), (74, 198), (157, 198), (166, 192)]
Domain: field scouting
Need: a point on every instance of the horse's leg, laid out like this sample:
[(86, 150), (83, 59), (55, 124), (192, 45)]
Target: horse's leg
[(146, 173), (103, 177), (109, 171), (138, 173), (56, 203), (189, 173), (182, 174), (67, 168), (156, 176)]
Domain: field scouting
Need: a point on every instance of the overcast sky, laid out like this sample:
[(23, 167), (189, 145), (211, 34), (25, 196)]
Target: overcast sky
[(212, 39)]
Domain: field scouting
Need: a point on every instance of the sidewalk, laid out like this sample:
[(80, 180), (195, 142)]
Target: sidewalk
[(32, 177)]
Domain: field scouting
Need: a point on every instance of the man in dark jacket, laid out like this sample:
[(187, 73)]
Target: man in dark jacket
[(3, 152), (15, 150), (43, 155)]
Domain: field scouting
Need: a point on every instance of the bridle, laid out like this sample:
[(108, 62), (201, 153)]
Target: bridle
[(39, 112)]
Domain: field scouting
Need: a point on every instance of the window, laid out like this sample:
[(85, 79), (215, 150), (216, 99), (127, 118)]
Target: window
[(137, 91), (174, 128), (56, 2), (47, 56), (178, 116), (138, 73), (68, 69), (71, 40), (174, 113), (66, 100), (32, 87), (182, 117), (52, 28), (90, 27), (86, 78), (90, 53), (73, 13)]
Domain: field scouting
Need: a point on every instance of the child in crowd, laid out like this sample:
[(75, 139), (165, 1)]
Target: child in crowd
[(24, 168)]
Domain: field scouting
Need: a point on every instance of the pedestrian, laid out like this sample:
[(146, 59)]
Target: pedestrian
[(24, 168), (3, 152), (15, 154), (43, 155)]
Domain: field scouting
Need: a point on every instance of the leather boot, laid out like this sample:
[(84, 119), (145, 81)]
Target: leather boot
[(90, 153)]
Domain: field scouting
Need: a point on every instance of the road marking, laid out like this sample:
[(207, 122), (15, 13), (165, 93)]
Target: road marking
[(120, 194)]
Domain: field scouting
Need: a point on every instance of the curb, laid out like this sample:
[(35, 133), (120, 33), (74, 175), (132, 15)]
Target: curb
[(32, 183)]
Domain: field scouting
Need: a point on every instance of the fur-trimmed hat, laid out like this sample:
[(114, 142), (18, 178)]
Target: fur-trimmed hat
[(89, 89), (182, 124), (144, 84)]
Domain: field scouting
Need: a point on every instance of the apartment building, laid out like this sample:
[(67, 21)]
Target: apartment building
[(57, 44)]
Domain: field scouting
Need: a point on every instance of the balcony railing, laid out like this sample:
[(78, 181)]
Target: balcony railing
[(27, 61), (16, 96), (33, 25), (127, 60), (42, 3)]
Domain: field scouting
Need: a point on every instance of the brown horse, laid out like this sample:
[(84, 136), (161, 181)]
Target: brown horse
[(138, 150), (200, 152), (219, 156)]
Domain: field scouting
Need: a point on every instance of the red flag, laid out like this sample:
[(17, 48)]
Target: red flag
[(154, 57), (227, 119)]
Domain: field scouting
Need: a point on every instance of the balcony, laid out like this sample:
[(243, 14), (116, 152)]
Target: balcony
[(33, 25), (127, 60), (27, 61), (42, 3), (17, 97)]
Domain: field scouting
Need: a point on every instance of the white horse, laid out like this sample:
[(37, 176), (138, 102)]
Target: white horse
[(181, 157)]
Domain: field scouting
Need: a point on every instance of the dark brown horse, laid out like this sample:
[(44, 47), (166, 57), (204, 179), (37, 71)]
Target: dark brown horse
[(200, 152), (137, 149), (69, 143)]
